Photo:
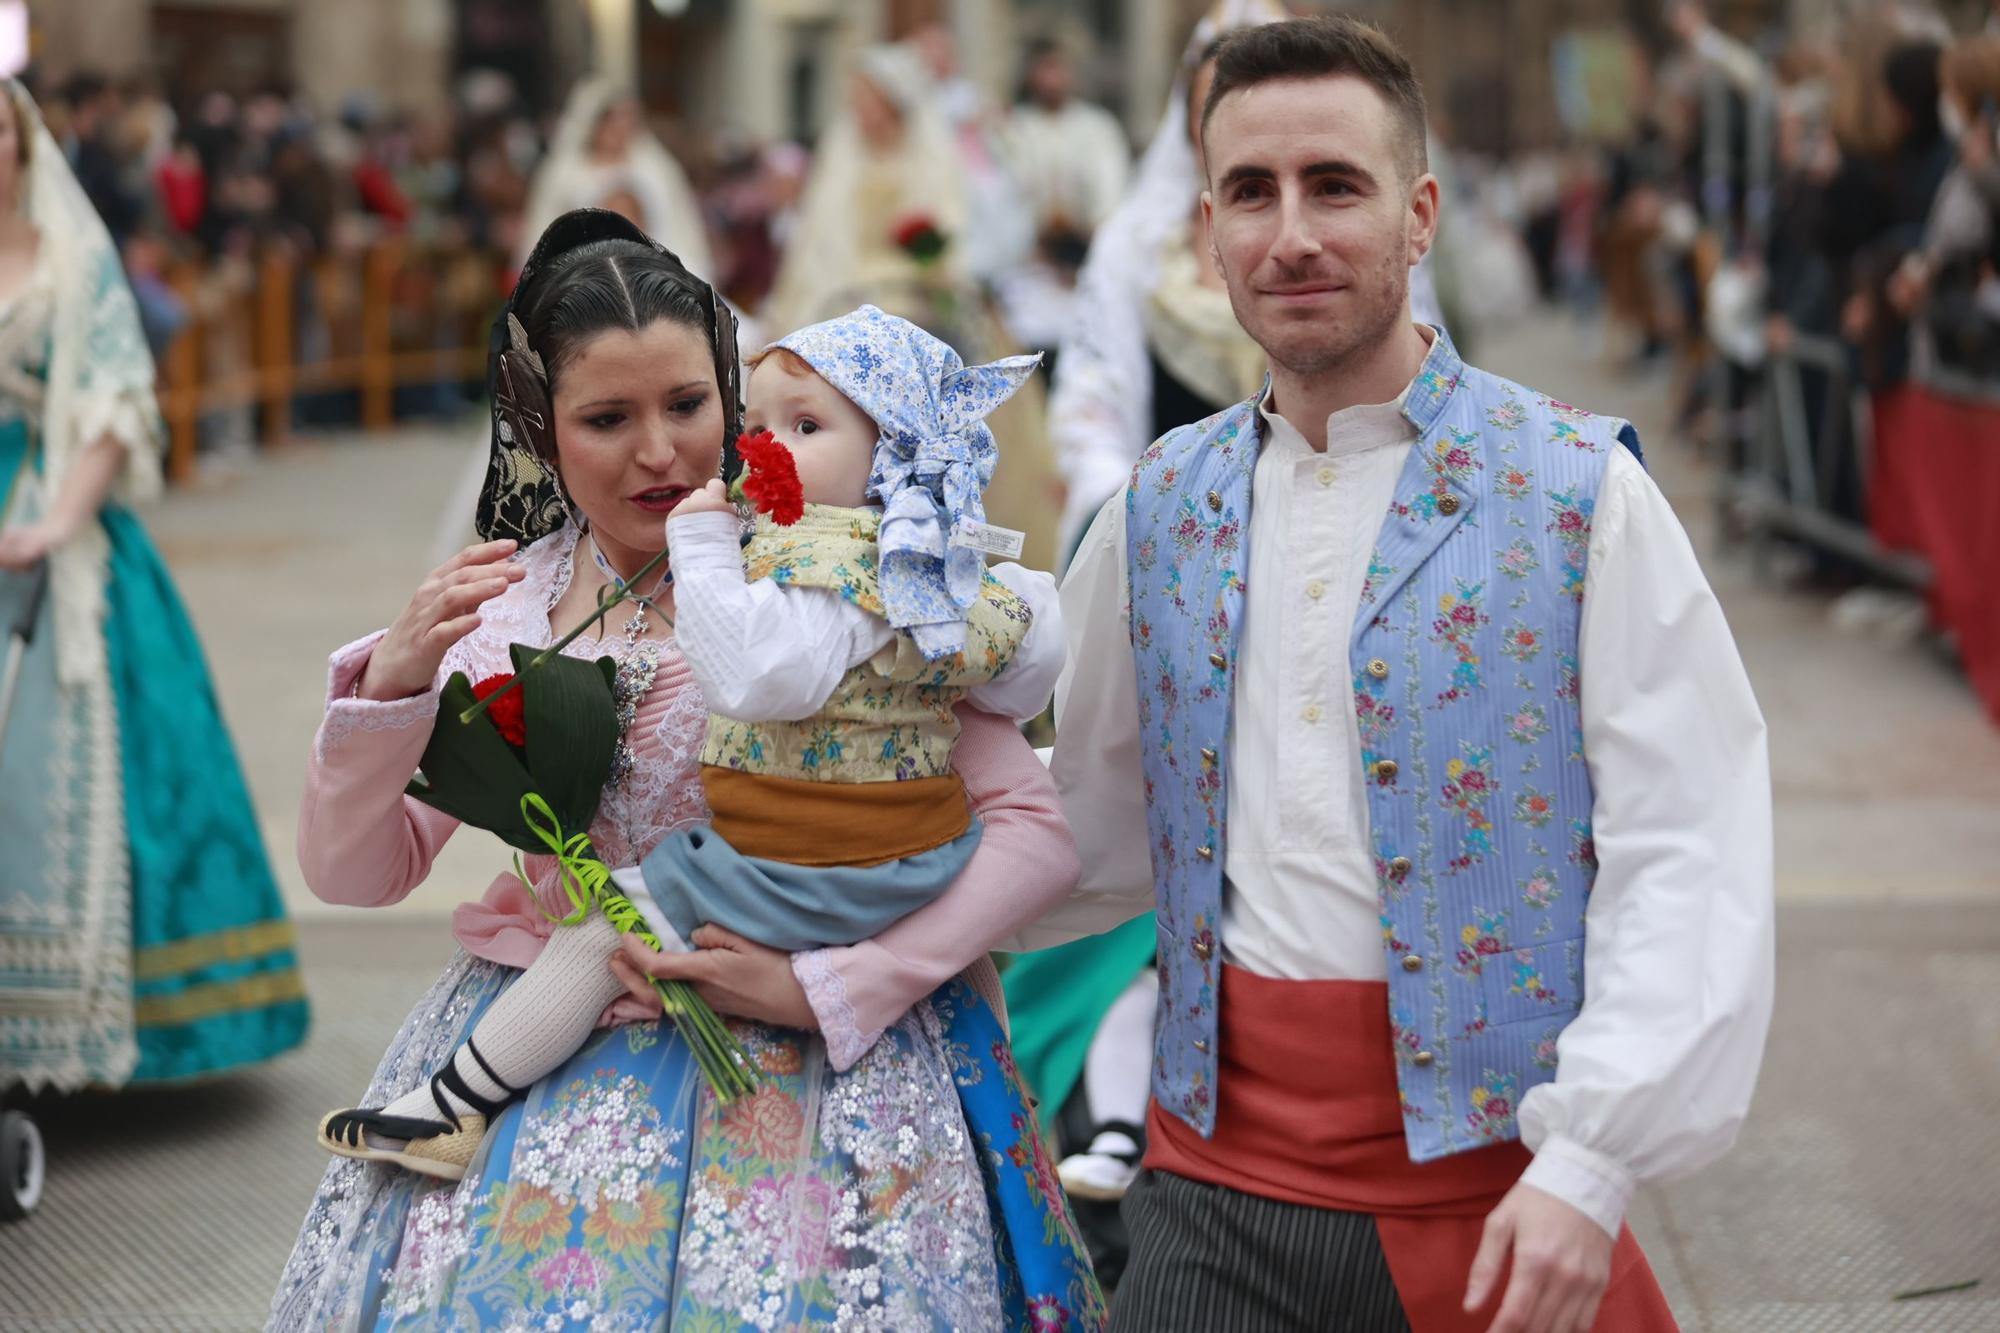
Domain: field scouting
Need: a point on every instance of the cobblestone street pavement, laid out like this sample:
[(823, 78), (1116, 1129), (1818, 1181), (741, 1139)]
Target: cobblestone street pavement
[(1868, 1168)]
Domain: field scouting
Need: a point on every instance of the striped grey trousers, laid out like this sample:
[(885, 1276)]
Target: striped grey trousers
[(1211, 1260)]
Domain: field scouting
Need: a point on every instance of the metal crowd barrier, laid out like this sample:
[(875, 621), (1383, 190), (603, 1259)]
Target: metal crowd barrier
[(1787, 483)]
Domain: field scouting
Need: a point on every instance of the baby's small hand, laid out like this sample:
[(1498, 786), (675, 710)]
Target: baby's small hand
[(710, 499)]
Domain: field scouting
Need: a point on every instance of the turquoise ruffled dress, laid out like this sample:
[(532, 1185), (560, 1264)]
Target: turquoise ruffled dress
[(142, 935)]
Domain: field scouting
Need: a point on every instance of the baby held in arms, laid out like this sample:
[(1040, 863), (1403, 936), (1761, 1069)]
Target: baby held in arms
[(831, 650)]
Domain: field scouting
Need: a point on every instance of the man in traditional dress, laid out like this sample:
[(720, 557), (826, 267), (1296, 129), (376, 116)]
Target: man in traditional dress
[(1439, 764), (1070, 156)]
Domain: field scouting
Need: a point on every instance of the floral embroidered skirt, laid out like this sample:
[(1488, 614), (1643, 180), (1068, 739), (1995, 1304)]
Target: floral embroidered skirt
[(910, 1192)]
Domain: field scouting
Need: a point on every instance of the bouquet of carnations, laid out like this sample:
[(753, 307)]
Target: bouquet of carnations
[(525, 755)]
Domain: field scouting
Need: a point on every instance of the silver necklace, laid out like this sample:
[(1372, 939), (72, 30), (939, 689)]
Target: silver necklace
[(641, 602), (638, 666)]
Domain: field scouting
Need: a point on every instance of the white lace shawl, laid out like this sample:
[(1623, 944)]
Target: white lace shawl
[(100, 383)]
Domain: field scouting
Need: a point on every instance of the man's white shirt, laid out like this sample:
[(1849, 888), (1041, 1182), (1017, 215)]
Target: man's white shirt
[(1656, 1072)]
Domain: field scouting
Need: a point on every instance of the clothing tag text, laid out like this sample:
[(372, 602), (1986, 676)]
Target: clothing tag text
[(984, 537)]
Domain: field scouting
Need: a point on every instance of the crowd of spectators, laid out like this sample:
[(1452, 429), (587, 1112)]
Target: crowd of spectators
[(1818, 202)]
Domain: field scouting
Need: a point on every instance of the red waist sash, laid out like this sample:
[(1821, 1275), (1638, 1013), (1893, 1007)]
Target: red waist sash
[(1307, 1111)]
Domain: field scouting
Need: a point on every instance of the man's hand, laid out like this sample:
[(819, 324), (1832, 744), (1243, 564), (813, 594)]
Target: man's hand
[(738, 977), (1561, 1263)]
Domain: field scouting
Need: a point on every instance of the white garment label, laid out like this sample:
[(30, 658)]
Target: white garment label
[(984, 537)]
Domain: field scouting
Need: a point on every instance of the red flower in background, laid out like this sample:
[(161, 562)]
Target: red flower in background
[(509, 712), (770, 479), (919, 236)]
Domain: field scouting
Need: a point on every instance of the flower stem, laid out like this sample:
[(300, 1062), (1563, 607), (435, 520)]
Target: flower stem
[(608, 599)]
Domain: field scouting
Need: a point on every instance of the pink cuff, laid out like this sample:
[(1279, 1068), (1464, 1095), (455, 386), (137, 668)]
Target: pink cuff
[(826, 992), (346, 714)]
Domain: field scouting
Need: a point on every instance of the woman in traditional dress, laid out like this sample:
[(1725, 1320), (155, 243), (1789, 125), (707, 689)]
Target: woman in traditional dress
[(889, 163), (142, 936), (889, 160), (888, 1173), (601, 155)]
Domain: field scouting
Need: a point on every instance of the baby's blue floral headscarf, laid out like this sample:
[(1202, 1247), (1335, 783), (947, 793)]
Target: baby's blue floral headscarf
[(932, 461)]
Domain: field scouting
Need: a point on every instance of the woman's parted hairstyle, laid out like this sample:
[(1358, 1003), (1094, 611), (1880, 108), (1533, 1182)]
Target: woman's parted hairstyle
[(606, 285), (592, 272), (1326, 46)]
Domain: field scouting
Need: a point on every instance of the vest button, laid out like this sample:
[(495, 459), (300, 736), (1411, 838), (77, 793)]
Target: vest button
[(1412, 963), (1215, 502), (1399, 866), (1218, 661), (1386, 770), (1447, 505), (1423, 1059), (1201, 1044), (1205, 852), (1204, 949), (1378, 668), (1208, 757)]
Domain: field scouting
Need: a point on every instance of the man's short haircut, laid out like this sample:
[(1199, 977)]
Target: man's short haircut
[(1326, 46)]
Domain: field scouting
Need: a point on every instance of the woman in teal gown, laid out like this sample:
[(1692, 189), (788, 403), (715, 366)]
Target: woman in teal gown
[(142, 936)]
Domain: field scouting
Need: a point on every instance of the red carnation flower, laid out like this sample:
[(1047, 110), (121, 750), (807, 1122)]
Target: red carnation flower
[(918, 236), (770, 479), (509, 711)]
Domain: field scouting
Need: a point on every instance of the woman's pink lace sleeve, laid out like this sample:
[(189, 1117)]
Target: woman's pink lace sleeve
[(1026, 864), (362, 843)]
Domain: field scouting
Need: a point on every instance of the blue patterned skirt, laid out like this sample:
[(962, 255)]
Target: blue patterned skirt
[(910, 1192)]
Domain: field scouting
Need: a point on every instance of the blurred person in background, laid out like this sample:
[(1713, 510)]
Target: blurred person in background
[(602, 154), (142, 935), (999, 226), (1949, 276), (1895, 156), (93, 151), (1071, 161), (1154, 343), (883, 221), (1070, 156), (887, 165), (181, 184)]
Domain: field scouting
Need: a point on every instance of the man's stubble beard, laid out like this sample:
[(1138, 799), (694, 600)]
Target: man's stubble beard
[(1344, 342)]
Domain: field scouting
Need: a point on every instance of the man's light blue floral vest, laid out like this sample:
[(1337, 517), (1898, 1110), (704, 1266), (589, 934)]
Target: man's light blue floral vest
[(1464, 661)]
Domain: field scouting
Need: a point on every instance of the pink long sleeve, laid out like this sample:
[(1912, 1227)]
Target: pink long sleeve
[(1026, 863), (362, 843)]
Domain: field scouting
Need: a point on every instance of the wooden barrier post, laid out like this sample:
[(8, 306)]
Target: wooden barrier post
[(276, 343), (181, 402), (378, 362)]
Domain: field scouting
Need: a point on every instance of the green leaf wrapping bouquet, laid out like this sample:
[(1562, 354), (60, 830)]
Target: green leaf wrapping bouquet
[(526, 757)]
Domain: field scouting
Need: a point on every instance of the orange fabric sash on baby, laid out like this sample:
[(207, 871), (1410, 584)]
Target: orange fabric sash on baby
[(834, 823)]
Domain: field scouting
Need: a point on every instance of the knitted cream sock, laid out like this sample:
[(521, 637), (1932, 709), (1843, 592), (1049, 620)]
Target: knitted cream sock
[(537, 1023)]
